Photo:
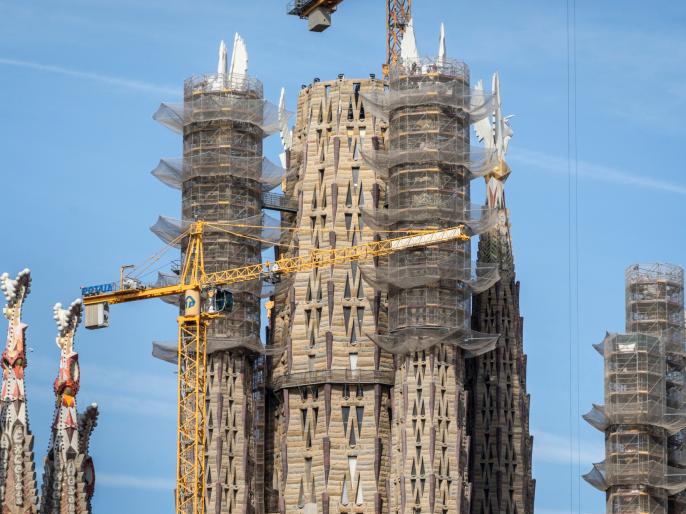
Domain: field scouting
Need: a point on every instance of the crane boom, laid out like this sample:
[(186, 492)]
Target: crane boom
[(193, 323), (316, 258)]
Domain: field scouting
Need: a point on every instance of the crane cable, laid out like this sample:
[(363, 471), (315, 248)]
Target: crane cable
[(573, 261)]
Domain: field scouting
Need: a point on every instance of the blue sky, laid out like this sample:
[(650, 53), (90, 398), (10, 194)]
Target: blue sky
[(81, 79)]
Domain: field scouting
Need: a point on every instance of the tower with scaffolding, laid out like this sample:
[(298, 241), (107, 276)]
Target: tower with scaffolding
[(223, 178), (369, 408), (643, 417), (359, 401)]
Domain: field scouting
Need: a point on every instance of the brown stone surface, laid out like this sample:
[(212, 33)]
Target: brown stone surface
[(499, 406), (324, 431)]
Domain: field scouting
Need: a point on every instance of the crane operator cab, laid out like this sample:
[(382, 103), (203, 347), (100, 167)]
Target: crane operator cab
[(219, 300)]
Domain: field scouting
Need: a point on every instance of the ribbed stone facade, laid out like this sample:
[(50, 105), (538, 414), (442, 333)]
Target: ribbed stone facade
[(331, 386)]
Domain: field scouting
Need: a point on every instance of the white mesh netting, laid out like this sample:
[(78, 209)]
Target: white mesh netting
[(173, 171), (262, 227)]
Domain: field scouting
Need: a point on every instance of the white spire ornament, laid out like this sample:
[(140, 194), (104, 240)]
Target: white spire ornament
[(222, 62), (239, 60), (285, 132), (408, 47), (441, 47), (495, 132)]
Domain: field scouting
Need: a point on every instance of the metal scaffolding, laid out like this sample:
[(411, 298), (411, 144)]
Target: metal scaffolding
[(643, 417)]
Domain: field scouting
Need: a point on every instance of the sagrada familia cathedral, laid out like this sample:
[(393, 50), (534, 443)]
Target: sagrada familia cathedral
[(389, 386)]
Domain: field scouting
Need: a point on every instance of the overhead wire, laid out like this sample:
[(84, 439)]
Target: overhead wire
[(573, 263)]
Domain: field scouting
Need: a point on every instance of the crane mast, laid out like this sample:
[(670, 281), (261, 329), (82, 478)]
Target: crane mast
[(195, 284), (398, 15)]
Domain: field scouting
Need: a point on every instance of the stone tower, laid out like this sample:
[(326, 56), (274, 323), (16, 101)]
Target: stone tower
[(222, 175), (330, 404), (18, 494), (68, 473), (501, 447), (368, 405), (426, 158)]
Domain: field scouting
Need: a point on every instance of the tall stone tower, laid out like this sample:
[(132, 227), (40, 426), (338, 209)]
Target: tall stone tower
[(429, 108), (330, 405), (18, 494), (368, 411), (222, 176), (501, 447), (68, 472)]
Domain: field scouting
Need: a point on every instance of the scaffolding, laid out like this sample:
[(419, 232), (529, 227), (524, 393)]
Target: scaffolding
[(426, 165), (644, 417), (222, 177)]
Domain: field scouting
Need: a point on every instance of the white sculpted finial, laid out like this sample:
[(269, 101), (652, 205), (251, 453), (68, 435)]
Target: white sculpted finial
[(239, 59), (13, 289), (67, 320), (408, 46), (222, 62), (441, 46), (285, 132), (495, 132)]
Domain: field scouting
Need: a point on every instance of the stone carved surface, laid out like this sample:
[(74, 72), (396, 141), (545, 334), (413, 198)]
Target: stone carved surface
[(68, 475), (18, 492), (329, 440)]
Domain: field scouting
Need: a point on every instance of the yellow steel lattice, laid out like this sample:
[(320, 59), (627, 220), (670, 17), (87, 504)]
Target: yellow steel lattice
[(190, 471), (398, 14)]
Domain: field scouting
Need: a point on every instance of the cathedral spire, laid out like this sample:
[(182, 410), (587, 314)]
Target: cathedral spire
[(499, 403), (18, 494), (68, 476)]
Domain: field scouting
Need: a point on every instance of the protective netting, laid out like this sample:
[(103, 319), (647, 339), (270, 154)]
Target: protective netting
[(477, 161), (438, 210), (644, 415), (478, 277), (452, 94), (222, 176), (168, 352), (426, 164), (214, 107), (262, 227), (173, 171), (637, 454), (416, 339), (636, 385)]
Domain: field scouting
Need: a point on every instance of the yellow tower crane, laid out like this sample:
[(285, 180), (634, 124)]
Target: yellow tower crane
[(194, 284), (398, 15)]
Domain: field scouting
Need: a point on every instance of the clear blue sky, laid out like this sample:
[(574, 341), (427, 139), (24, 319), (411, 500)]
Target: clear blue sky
[(81, 79)]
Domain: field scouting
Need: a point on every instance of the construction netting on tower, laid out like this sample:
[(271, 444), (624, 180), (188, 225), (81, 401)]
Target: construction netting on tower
[(644, 415), (223, 177), (427, 164)]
